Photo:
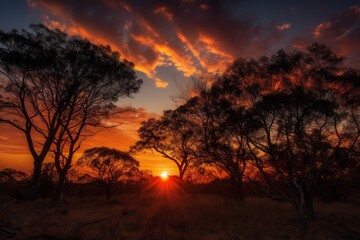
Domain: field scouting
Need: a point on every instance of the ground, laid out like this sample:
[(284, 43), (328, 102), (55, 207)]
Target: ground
[(167, 212)]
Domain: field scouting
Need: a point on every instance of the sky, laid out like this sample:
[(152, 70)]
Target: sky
[(172, 41)]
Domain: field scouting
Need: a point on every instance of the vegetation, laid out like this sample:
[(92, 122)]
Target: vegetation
[(160, 214), (293, 117), (55, 88), (9, 175), (172, 136), (288, 125), (109, 166)]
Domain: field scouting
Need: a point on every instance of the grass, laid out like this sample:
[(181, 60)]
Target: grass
[(166, 212)]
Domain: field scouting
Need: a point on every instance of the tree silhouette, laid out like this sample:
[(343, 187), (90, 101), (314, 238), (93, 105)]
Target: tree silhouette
[(219, 126), (295, 117), (9, 175), (299, 122), (52, 81), (203, 174), (172, 136), (109, 166)]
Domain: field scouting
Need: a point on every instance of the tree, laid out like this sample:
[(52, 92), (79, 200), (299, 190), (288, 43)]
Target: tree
[(109, 166), (143, 176), (85, 115), (172, 136), (54, 86), (203, 174), (295, 117), (294, 146), (218, 118), (48, 179), (302, 120), (9, 175)]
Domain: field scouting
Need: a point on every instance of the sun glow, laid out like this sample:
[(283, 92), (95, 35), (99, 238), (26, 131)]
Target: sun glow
[(164, 176)]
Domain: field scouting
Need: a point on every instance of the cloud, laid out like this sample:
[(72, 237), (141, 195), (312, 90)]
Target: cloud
[(160, 83), (12, 141), (283, 27), (194, 36), (320, 28), (340, 31)]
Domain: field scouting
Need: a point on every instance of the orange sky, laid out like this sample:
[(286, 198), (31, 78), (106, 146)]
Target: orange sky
[(169, 41), (14, 152)]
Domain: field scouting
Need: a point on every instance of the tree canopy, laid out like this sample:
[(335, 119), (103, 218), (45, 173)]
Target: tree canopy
[(291, 118), (53, 86), (109, 166), (172, 136)]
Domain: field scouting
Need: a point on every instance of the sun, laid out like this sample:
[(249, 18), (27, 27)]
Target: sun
[(164, 176)]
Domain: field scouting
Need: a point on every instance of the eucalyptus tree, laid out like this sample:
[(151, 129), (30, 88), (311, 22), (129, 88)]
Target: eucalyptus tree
[(218, 120), (294, 116), (9, 175), (51, 81), (173, 136), (302, 119), (109, 166)]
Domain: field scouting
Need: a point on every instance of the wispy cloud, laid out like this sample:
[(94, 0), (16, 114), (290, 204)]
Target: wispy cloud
[(340, 31), (283, 27)]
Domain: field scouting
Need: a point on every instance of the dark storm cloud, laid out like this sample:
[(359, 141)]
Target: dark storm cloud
[(191, 35)]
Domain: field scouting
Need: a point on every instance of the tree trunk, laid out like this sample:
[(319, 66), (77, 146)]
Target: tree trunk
[(240, 189), (181, 174), (36, 180), (310, 207), (237, 185), (108, 192), (301, 211), (59, 188)]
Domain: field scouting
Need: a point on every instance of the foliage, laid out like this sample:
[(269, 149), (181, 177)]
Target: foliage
[(109, 166), (54, 87), (203, 174), (294, 116), (300, 117), (9, 175), (172, 136)]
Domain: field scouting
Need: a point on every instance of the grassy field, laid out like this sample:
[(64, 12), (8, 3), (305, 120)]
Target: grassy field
[(165, 211)]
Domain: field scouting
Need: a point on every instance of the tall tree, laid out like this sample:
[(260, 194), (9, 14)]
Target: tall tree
[(109, 166), (293, 116), (219, 122), (301, 120), (46, 76)]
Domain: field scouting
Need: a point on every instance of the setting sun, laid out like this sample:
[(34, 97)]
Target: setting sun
[(164, 176)]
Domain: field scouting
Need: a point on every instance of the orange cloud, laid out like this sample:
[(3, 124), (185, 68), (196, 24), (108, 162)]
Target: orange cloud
[(165, 12), (160, 83), (320, 28), (283, 27), (153, 34)]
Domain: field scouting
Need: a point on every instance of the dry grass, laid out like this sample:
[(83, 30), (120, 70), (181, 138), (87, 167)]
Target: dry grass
[(167, 213)]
